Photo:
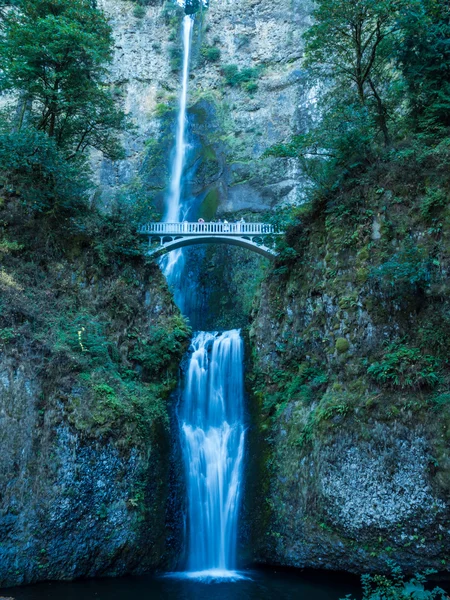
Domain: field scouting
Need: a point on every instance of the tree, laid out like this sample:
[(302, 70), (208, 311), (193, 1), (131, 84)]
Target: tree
[(423, 55), (54, 52), (35, 171), (348, 46)]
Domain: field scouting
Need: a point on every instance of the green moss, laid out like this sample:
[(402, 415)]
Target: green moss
[(162, 109), (342, 345), (362, 276), (245, 78), (210, 204)]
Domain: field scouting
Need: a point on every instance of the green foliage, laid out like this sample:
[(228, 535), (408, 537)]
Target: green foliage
[(302, 385), (332, 405), (82, 335), (245, 78), (32, 167), (6, 246), (127, 402), (440, 400), (210, 53), (54, 54), (115, 236), (423, 55), (160, 347), (332, 408), (117, 407), (397, 587), (139, 11), (349, 47), (7, 334), (162, 109), (175, 57), (407, 272), (434, 199), (432, 333), (74, 281), (404, 367), (384, 78)]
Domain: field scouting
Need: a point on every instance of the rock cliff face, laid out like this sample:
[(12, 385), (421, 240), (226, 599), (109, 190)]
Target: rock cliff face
[(84, 409), (254, 45), (72, 506), (356, 466)]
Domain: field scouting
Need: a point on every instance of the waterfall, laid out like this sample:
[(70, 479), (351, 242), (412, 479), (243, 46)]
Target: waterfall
[(173, 209), (211, 417), (211, 413), (172, 264)]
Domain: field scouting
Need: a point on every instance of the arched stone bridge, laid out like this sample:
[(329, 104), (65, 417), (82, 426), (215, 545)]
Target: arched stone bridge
[(171, 236)]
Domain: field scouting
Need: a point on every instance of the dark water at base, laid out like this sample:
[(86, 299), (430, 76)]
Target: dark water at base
[(262, 585)]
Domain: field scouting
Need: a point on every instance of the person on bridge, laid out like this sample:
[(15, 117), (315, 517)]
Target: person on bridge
[(225, 225), (201, 226)]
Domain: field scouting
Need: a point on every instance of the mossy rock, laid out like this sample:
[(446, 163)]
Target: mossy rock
[(342, 345), (210, 203)]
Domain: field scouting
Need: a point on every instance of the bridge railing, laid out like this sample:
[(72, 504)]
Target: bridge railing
[(205, 228)]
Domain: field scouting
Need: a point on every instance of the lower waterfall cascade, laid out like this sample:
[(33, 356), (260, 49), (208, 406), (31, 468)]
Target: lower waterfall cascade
[(211, 417)]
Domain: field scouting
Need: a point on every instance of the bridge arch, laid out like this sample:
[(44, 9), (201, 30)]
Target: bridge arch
[(171, 236), (183, 242)]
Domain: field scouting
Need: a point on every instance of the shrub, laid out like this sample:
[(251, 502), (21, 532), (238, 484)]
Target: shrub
[(162, 345), (161, 109), (175, 58), (139, 11), (210, 53), (36, 170), (396, 587), (244, 78), (250, 87), (434, 199), (404, 367), (440, 401), (7, 335), (405, 273)]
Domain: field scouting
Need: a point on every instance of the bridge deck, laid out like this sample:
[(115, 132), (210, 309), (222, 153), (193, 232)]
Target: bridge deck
[(212, 228)]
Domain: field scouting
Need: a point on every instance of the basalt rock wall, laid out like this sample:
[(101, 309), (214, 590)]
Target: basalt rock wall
[(350, 384), (232, 121)]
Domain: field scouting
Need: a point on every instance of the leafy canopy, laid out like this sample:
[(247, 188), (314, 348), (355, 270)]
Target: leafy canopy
[(54, 52), (423, 55), (381, 73), (32, 167)]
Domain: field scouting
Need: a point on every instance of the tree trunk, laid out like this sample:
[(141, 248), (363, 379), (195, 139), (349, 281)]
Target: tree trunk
[(382, 120)]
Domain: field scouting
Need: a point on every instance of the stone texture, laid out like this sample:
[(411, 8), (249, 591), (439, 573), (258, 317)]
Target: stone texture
[(76, 500), (248, 33), (354, 472)]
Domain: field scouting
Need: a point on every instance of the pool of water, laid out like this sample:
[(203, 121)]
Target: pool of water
[(257, 585)]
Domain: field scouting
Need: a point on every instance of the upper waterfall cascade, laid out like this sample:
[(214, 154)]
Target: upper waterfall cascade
[(172, 264)]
